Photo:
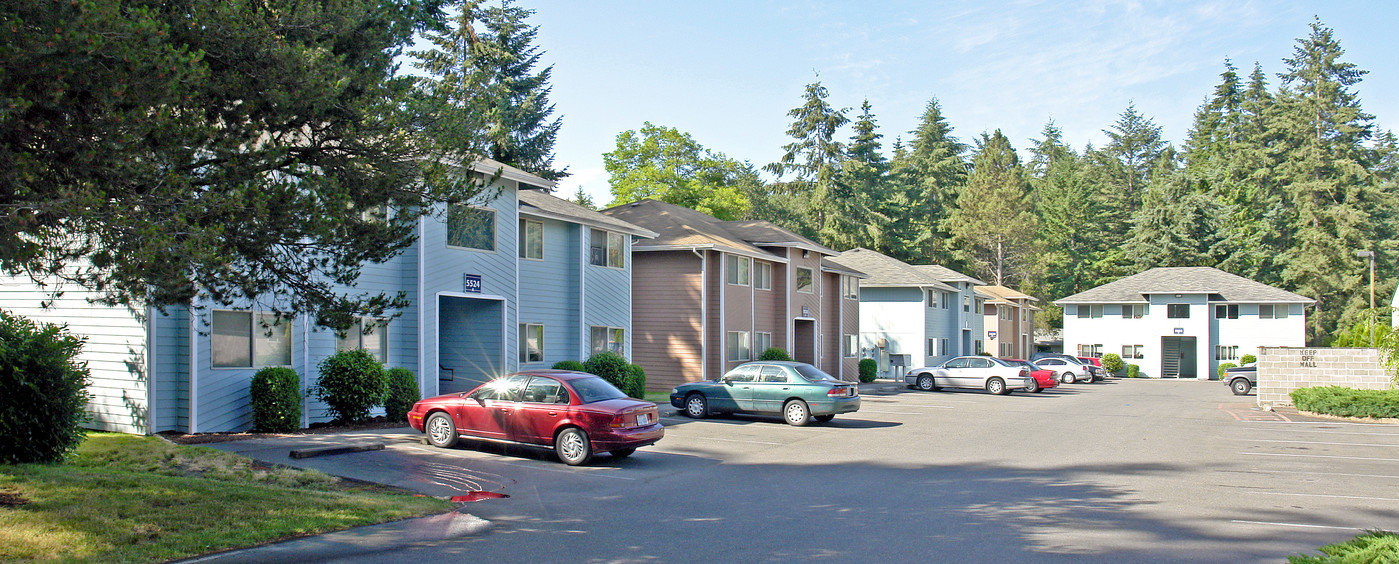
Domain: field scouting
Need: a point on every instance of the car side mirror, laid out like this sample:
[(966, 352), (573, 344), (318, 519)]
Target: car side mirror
[(726, 381)]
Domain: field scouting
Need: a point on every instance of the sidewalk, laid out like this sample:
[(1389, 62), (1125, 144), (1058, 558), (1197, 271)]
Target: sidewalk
[(358, 541)]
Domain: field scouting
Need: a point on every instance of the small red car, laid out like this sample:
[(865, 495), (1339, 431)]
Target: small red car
[(574, 413), (1044, 378)]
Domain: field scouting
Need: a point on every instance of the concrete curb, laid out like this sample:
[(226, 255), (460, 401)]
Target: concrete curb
[(358, 541), (328, 451)]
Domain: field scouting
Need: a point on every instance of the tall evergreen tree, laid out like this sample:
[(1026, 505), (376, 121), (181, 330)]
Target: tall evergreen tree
[(814, 155), (1332, 193), (496, 66), (933, 172), (1133, 151), (859, 215), (1176, 226), (1063, 197), (992, 227)]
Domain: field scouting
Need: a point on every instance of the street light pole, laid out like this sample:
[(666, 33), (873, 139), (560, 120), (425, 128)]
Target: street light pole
[(1371, 256)]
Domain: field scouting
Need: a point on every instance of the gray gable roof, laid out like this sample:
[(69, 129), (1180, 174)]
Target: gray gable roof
[(1184, 280), (684, 228), (886, 271), (540, 204), (947, 274)]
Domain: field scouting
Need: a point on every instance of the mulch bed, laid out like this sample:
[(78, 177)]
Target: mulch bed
[(315, 429), (10, 499)]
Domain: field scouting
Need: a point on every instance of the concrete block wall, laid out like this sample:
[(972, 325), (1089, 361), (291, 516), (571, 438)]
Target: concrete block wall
[(1283, 369)]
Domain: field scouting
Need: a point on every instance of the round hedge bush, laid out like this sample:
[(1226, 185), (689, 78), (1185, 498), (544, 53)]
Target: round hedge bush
[(774, 353), (636, 381), (44, 391), (403, 393), (1133, 370), (1223, 366), (569, 365), (351, 384), (1247, 359), (610, 366), (868, 368), (1113, 363), (276, 397)]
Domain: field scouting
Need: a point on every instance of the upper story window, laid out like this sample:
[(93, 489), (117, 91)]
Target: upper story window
[(1270, 311), (607, 249), (369, 334), (1086, 311), (931, 298), (471, 227), (738, 270), (967, 304), (1133, 311), (946, 300), (978, 306), (1226, 312), (244, 339), (805, 280), (850, 287), (1178, 311), (762, 275), (531, 239)]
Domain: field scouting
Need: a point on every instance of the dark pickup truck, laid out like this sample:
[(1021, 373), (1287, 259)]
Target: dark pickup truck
[(1241, 379)]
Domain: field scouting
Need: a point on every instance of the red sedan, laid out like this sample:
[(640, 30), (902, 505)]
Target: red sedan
[(574, 413), (1044, 379)]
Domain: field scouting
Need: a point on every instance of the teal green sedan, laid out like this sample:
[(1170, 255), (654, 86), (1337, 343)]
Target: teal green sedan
[(795, 390)]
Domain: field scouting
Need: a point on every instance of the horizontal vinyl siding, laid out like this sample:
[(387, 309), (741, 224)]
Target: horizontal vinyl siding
[(549, 294), (666, 308), (115, 351), (850, 325), (716, 342), (172, 370), (830, 324), (607, 300)]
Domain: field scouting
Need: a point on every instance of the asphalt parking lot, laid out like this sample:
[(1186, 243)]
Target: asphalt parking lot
[(1121, 471)]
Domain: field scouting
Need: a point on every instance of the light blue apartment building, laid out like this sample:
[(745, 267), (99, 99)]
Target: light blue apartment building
[(520, 280)]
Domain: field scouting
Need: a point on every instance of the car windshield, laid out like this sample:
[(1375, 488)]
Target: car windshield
[(595, 389), (813, 374)]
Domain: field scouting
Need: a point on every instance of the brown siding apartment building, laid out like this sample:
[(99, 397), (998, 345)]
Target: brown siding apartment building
[(708, 295)]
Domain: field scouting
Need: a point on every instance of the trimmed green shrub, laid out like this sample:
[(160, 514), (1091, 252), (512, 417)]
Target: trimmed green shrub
[(1347, 402), (1223, 366), (1371, 546), (351, 384), (1246, 359), (636, 381), (774, 353), (1113, 363), (276, 397), (403, 393), (868, 368), (44, 391), (610, 366), (569, 365), (1133, 370)]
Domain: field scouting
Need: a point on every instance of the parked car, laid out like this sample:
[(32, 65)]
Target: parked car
[(1070, 370), (1035, 357), (1241, 379), (1041, 378), (1095, 364), (795, 390), (574, 413), (991, 374)]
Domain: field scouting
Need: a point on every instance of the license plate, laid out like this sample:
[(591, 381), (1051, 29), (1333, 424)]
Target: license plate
[(643, 419)]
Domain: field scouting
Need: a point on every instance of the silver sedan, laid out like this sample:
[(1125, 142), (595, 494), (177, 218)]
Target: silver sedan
[(979, 372)]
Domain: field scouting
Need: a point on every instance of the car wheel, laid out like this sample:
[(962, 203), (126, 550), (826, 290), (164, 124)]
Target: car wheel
[(1067, 378), (573, 447), (1034, 386), (1241, 386), (441, 432), (696, 407), (996, 386), (622, 452), (796, 412), (825, 418), (926, 383)]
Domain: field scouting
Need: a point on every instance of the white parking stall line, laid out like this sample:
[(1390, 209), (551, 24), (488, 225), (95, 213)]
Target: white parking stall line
[(890, 412), (1320, 456), (1314, 423), (1316, 443), (1331, 496), (741, 441), (1294, 430), (1391, 477), (1294, 525)]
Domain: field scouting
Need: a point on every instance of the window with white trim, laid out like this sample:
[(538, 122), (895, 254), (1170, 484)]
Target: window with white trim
[(1132, 351), (368, 334), (1226, 352), (606, 248), (762, 275), (931, 299), (805, 280), (531, 342), (1223, 311), (850, 287), (942, 346), (1094, 351), (967, 304), (470, 227), (244, 339), (851, 347), (1133, 311), (762, 341), (1178, 311), (609, 339), (738, 270), (738, 346), (531, 239)]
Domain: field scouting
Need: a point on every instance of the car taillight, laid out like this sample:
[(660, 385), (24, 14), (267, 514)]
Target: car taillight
[(840, 392)]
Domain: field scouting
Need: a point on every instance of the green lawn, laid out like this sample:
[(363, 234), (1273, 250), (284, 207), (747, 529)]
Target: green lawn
[(127, 498), (660, 397)]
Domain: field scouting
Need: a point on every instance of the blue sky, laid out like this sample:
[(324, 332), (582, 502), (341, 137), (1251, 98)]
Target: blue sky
[(727, 72)]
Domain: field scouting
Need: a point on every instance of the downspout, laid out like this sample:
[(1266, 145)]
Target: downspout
[(305, 370), (422, 321), (584, 233), (150, 371), (193, 370), (704, 316)]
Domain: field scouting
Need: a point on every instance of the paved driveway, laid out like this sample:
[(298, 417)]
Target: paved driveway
[(1123, 471)]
